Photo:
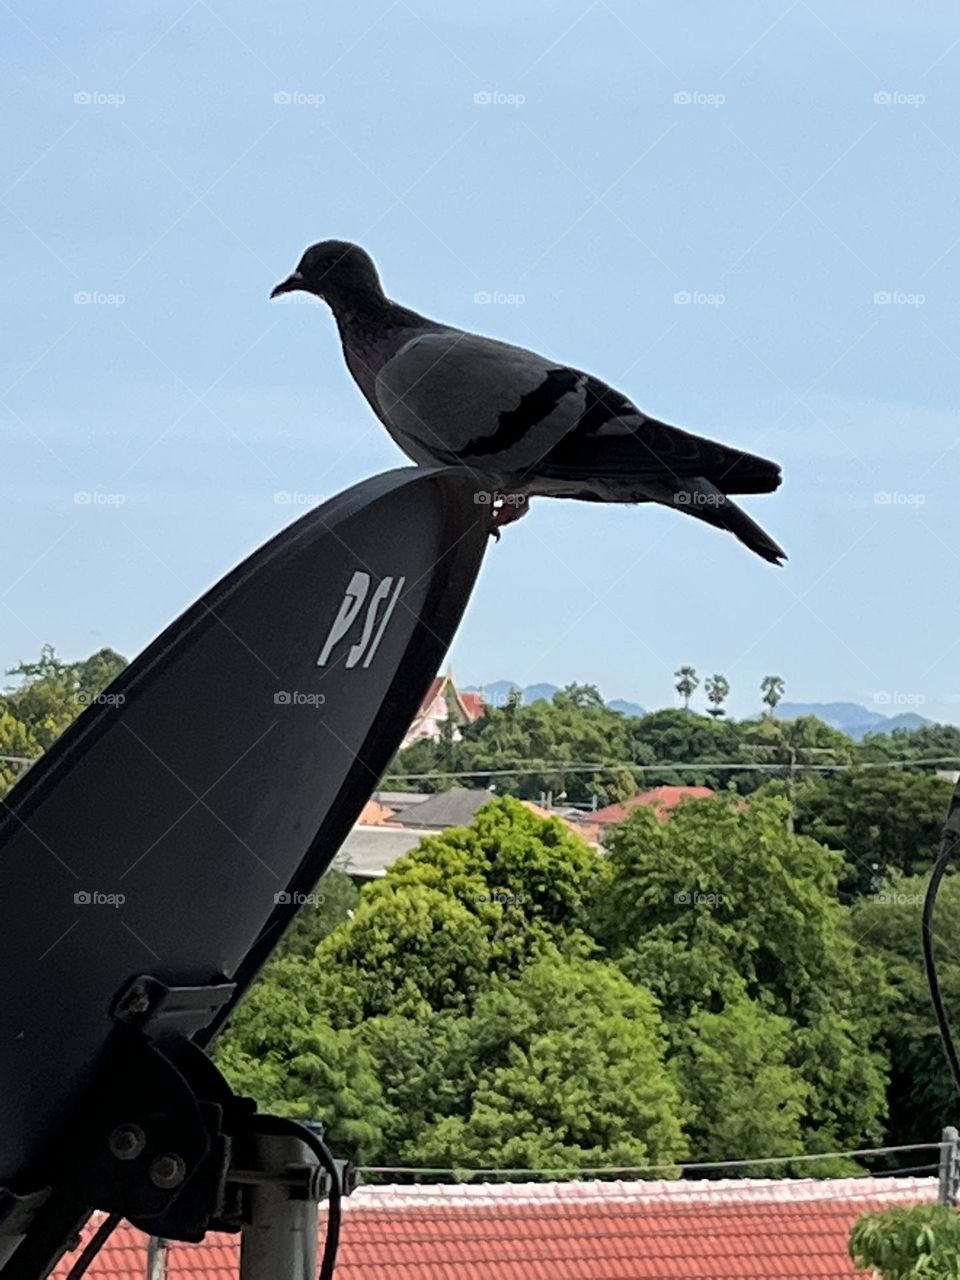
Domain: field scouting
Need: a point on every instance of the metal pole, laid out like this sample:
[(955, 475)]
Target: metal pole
[(282, 1187), (156, 1258), (949, 1166)]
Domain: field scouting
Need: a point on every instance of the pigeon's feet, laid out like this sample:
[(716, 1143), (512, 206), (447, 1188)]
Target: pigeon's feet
[(507, 507)]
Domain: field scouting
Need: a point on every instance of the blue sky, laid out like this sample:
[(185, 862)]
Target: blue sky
[(783, 164)]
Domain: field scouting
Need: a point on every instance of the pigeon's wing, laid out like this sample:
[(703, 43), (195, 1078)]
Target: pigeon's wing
[(460, 397), (615, 441)]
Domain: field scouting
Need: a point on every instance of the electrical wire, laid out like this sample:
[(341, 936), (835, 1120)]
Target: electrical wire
[(94, 1245), (950, 843)]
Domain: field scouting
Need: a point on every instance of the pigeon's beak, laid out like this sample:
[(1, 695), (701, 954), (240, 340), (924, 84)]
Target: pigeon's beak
[(290, 285)]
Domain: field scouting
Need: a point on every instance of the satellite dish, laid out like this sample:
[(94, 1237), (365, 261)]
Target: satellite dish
[(151, 861)]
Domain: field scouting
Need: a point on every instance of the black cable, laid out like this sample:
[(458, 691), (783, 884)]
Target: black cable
[(949, 845), (334, 1212), (94, 1245)]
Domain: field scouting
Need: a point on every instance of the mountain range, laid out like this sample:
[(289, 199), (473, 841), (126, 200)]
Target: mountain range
[(849, 717)]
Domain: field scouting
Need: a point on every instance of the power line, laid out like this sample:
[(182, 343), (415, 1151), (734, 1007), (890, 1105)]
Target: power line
[(704, 766)]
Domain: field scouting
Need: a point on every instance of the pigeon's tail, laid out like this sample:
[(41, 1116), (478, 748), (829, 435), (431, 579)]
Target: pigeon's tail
[(701, 498)]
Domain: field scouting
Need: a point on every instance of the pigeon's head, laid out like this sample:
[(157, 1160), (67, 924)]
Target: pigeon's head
[(334, 270)]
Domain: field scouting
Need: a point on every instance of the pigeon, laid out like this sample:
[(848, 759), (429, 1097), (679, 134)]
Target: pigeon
[(526, 426)]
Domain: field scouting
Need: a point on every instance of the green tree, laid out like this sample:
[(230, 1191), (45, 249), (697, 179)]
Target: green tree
[(687, 681), (772, 688), (52, 693), (718, 689), (736, 1071), (921, 1093), (884, 821), (722, 901), (570, 1073), (18, 748), (919, 1243)]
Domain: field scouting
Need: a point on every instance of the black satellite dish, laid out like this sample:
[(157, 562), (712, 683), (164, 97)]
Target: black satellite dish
[(152, 860)]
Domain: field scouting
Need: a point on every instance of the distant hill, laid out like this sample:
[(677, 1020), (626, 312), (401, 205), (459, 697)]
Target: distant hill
[(850, 718)]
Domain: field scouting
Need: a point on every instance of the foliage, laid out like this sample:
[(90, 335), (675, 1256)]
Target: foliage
[(919, 1243), (723, 902), (883, 821), (687, 682), (570, 1073), (921, 1093)]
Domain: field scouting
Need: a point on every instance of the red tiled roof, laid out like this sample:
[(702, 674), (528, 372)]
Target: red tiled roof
[(663, 798), (474, 704), (750, 1229)]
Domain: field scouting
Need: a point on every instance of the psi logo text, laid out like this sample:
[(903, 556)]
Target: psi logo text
[(372, 619)]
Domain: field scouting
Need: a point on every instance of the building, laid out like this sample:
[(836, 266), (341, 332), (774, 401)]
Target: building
[(444, 702), (745, 1229), (663, 801)]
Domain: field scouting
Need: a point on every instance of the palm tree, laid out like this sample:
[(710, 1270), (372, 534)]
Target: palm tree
[(772, 687), (687, 681), (717, 689)]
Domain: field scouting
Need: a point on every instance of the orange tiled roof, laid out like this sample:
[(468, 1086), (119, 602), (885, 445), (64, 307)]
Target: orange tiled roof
[(749, 1229), (662, 798)]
